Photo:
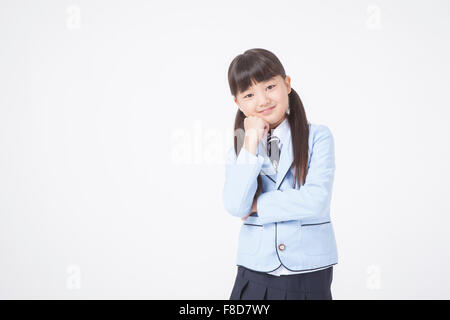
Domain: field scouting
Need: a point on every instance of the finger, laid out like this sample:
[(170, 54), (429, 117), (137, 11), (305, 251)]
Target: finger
[(266, 129)]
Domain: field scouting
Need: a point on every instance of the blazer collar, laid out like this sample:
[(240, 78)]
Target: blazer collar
[(287, 154)]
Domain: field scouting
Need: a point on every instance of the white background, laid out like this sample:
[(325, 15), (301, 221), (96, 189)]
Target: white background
[(115, 117)]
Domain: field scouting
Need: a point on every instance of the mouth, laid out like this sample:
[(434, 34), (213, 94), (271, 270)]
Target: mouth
[(268, 110)]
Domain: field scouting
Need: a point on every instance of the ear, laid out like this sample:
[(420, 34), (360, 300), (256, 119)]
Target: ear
[(237, 103), (288, 83)]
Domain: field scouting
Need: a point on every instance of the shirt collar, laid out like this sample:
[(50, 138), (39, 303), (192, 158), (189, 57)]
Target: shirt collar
[(281, 131)]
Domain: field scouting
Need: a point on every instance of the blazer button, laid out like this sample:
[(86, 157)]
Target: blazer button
[(281, 247)]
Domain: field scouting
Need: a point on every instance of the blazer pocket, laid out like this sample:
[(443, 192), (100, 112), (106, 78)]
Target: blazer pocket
[(250, 237), (316, 239)]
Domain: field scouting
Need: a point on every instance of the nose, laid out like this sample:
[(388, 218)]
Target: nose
[(263, 102)]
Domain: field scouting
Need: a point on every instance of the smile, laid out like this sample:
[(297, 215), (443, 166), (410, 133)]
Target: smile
[(269, 110)]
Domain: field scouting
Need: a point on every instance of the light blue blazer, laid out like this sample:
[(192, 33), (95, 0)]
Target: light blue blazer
[(293, 226)]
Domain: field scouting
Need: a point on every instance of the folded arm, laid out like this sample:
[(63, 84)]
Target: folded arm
[(313, 198)]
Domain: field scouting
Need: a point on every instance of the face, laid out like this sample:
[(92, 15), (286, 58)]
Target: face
[(268, 100)]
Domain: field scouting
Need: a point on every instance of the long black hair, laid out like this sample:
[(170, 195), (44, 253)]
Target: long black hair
[(256, 65)]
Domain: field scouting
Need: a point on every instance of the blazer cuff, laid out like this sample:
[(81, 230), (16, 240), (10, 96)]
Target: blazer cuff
[(246, 157)]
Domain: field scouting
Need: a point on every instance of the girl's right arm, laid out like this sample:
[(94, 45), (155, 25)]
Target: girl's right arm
[(240, 186), (241, 172)]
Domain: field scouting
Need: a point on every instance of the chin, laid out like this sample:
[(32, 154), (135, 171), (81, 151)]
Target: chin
[(275, 115)]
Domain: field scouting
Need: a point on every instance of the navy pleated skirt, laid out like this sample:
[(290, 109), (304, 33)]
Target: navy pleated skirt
[(254, 285)]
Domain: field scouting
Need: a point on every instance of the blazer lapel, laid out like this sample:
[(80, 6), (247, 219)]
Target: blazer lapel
[(286, 158)]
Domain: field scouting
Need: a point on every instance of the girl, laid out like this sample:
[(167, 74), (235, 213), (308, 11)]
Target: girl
[(278, 180)]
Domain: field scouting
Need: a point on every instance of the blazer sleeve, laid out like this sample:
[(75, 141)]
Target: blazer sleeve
[(312, 199), (240, 185)]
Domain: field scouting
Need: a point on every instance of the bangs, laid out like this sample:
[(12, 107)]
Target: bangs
[(250, 69)]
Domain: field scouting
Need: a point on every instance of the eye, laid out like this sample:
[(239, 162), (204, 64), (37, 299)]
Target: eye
[(272, 85)]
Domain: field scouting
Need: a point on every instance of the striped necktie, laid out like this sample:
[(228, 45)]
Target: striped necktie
[(273, 149)]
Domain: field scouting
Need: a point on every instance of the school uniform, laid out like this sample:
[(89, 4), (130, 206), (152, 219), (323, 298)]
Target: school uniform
[(287, 249)]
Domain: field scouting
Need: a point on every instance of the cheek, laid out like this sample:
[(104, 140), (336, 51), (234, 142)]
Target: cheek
[(247, 110), (282, 99), (279, 96)]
